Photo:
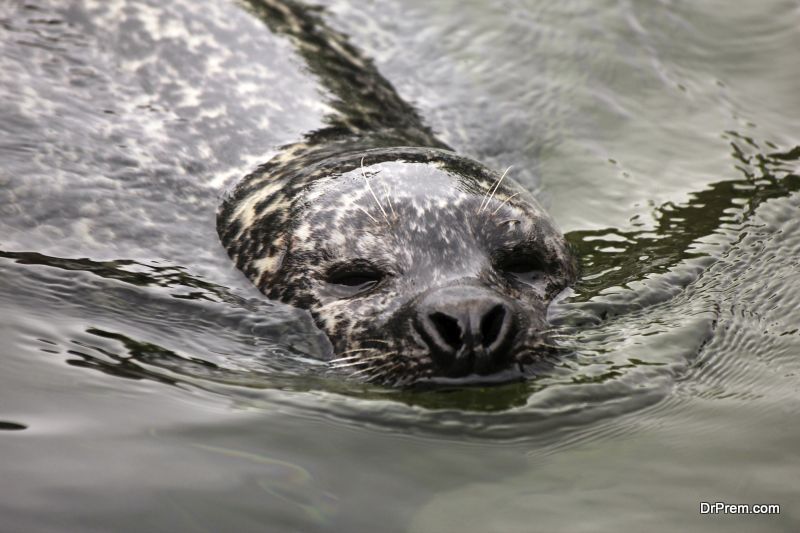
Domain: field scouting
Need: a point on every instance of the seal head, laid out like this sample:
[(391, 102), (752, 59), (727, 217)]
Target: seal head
[(417, 263)]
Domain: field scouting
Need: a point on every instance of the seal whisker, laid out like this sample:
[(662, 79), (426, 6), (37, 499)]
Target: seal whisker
[(334, 362), (386, 369), (365, 341), (372, 377), (375, 370), (381, 371), (366, 180), (504, 203), (359, 362), (488, 198), (351, 356), (367, 213), (364, 371), (389, 200)]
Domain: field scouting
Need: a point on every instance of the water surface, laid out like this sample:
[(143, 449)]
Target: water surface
[(147, 385)]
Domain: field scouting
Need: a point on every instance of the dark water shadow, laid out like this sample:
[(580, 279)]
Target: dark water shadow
[(11, 426)]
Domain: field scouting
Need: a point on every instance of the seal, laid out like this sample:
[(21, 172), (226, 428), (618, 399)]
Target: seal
[(419, 264)]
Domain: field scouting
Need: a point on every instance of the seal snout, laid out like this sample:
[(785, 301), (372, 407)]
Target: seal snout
[(467, 330)]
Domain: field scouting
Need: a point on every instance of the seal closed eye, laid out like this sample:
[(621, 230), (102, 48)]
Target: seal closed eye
[(419, 264)]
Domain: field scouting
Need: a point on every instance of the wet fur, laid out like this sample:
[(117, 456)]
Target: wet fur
[(378, 186), (443, 229)]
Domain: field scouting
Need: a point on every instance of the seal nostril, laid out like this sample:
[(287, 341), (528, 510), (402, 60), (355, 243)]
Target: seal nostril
[(448, 329), (492, 324)]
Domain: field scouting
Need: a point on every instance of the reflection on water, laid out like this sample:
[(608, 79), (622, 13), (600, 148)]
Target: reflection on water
[(664, 137), (611, 257)]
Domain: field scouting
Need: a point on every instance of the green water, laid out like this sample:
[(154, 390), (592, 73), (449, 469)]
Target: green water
[(147, 387)]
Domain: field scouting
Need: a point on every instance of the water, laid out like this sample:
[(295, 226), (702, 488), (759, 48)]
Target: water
[(147, 386)]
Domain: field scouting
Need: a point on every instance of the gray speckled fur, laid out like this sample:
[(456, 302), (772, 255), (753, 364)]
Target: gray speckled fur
[(377, 186), (426, 229)]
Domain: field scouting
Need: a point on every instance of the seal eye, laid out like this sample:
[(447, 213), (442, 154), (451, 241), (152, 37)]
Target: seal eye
[(525, 269), (354, 279)]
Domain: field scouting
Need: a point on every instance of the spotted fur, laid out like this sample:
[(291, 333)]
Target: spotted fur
[(424, 216), (377, 188)]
